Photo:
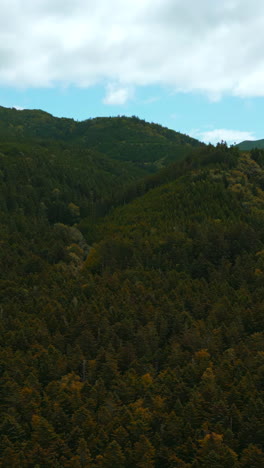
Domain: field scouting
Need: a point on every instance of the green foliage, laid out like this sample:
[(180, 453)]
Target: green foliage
[(144, 349)]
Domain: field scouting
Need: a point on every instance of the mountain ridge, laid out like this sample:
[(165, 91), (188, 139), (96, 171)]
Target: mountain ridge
[(248, 145)]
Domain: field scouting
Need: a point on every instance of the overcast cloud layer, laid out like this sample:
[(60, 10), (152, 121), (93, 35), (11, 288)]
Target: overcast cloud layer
[(211, 46)]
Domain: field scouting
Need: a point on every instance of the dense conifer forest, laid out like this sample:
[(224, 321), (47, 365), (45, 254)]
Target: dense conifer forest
[(132, 296)]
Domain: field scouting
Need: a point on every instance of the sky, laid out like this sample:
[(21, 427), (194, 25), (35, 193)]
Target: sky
[(194, 66)]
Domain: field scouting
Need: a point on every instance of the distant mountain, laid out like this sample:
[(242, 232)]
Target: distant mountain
[(147, 145), (248, 145), (48, 163)]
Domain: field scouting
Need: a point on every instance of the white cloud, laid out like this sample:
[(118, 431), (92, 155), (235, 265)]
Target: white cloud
[(223, 134), (212, 47), (116, 96)]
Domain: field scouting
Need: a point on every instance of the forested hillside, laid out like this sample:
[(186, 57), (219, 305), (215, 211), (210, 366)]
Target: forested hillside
[(248, 145), (148, 146), (131, 319)]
